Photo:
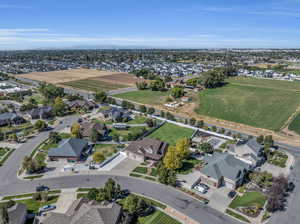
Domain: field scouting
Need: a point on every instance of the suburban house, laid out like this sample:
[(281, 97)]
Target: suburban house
[(41, 113), (146, 149), (116, 114), (17, 214), (88, 212), (72, 149), (250, 152), (223, 169), (86, 129), (11, 119), (81, 104)]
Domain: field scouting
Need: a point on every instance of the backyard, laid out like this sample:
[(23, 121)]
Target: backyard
[(145, 96), (170, 133), (128, 134), (255, 102), (107, 149)]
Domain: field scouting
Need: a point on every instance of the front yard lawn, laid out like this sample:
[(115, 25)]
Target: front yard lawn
[(249, 199), (33, 206), (156, 218), (140, 169), (170, 133)]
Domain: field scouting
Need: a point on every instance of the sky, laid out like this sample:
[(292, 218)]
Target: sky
[(32, 24)]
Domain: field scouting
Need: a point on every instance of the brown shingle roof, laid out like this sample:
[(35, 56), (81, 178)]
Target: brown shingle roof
[(148, 147)]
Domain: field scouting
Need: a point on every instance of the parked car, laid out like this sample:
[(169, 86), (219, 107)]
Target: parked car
[(200, 189), (231, 194), (42, 188), (47, 208), (204, 186)]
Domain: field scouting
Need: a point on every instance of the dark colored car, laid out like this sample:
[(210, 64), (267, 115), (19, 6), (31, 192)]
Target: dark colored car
[(231, 194), (42, 188)]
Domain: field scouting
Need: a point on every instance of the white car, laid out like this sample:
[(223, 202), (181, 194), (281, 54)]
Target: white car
[(200, 189)]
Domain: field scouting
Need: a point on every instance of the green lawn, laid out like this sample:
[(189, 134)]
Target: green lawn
[(33, 206), (255, 102), (107, 149), (93, 85), (295, 124), (238, 216), (145, 96), (158, 217), (3, 151), (170, 133), (249, 199), (124, 133), (138, 120), (188, 165), (140, 169)]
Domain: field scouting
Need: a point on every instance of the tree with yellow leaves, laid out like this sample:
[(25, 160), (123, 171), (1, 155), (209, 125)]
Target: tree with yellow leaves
[(182, 148), (171, 160), (75, 130)]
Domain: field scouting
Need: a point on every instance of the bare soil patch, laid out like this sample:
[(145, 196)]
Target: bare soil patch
[(66, 75)]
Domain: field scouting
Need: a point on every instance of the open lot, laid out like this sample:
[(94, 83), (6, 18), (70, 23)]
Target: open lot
[(93, 85), (65, 75), (256, 102), (170, 133), (86, 79), (145, 96), (111, 81)]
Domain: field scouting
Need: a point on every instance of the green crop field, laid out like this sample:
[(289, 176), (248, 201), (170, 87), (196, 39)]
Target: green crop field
[(145, 96), (170, 133), (255, 102), (295, 125), (93, 85)]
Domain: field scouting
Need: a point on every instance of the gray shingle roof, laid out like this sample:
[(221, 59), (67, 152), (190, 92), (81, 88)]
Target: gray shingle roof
[(223, 165), (87, 212), (72, 147), (254, 145), (17, 213), (7, 116)]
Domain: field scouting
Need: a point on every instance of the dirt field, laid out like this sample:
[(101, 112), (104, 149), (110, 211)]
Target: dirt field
[(72, 75)]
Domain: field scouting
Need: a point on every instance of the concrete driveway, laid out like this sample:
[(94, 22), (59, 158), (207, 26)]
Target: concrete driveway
[(219, 199)]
